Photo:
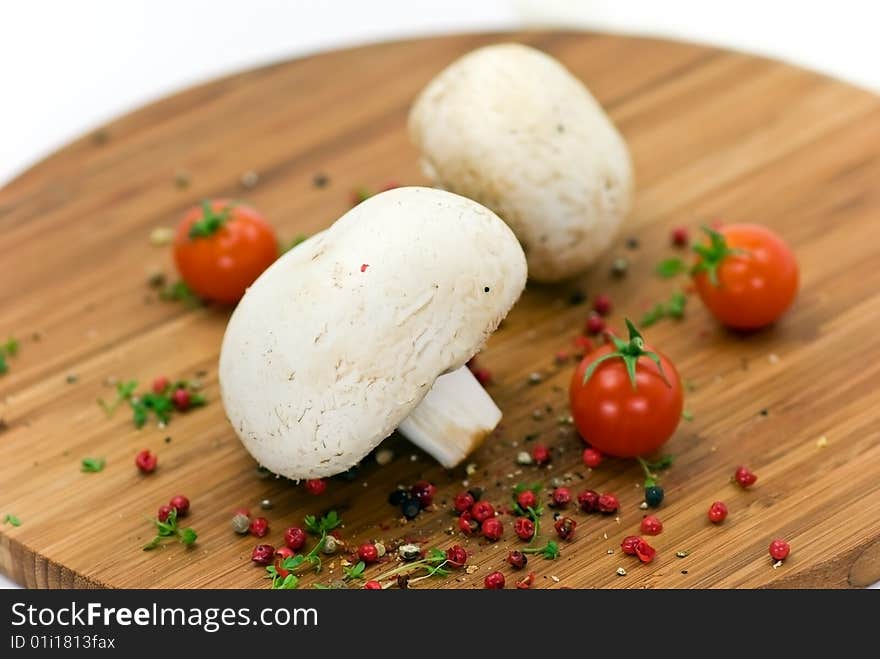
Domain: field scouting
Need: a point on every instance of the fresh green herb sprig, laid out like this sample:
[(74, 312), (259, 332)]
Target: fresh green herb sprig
[(289, 580), (8, 349), (532, 512), (549, 551), (650, 469), (672, 308), (180, 291), (668, 268), (11, 519), (158, 404), (433, 565), (92, 465), (169, 529)]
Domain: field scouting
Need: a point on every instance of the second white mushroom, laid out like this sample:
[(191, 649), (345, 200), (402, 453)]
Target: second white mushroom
[(510, 127)]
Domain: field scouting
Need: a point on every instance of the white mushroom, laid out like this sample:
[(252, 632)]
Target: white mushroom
[(367, 327), (511, 128)]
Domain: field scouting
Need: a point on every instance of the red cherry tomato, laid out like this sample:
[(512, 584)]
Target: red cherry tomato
[(614, 416), (221, 247), (747, 276)]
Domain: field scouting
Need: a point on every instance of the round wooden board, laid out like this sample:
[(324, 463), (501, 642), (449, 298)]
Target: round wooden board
[(712, 133)]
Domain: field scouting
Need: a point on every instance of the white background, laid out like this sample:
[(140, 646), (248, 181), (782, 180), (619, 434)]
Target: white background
[(66, 67)]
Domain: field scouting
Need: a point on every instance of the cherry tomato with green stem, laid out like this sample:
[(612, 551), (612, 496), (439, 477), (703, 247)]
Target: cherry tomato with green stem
[(747, 276), (626, 399), (221, 247)]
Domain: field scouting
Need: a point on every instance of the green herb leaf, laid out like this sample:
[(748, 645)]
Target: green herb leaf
[(672, 308), (188, 536), (92, 465), (11, 347), (663, 463), (180, 292), (11, 519), (355, 572), (327, 523), (436, 555), (670, 267), (4, 367), (687, 415), (124, 392), (290, 582)]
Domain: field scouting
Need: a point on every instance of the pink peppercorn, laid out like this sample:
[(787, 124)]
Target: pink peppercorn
[(561, 497), (494, 581), (717, 512), (602, 304), (492, 529), (779, 550), (588, 500), (607, 504), (146, 461), (259, 527), (595, 324), (263, 554)]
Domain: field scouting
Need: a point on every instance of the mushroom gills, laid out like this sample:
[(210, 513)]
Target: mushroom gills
[(453, 419)]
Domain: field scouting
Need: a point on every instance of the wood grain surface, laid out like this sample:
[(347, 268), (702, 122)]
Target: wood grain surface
[(712, 133)]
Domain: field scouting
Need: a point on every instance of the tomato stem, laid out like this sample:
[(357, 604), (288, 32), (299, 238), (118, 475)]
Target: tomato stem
[(210, 222), (713, 254), (629, 352)]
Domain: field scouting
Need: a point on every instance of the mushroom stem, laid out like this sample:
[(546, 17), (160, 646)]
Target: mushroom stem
[(453, 419)]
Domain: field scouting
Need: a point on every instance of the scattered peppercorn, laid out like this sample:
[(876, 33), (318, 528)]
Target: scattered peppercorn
[(607, 504), (779, 550), (619, 267), (717, 512), (745, 477), (526, 499), (372, 585), (410, 508), (651, 525), (181, 399), (540, 454), (259, 526), (576, 297), (561, 497), (424, 492), (494, 581), (294, 537), (588, 500), (181, 504), (456, 556), (524, 528), (628, 546), (397, 497), (654, 495), (526, 582), (632, 243), (483, 375), (680, 237), (316, 486), (644, 551), (463, 501), (602, 304), (592, 458), (482, 510), (263, 554), (467, 524), (241, 523), (163, 513), (595, 324), (146, 461), (160, 384), (368, 553), (565, 527), (492, 529), (517, 560)]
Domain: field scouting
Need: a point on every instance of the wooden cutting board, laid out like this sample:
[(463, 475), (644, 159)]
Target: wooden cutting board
[(713, 134)]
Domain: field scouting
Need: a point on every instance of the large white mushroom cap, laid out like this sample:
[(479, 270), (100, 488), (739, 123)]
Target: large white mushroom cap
[(340, 339), (510, 127)]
